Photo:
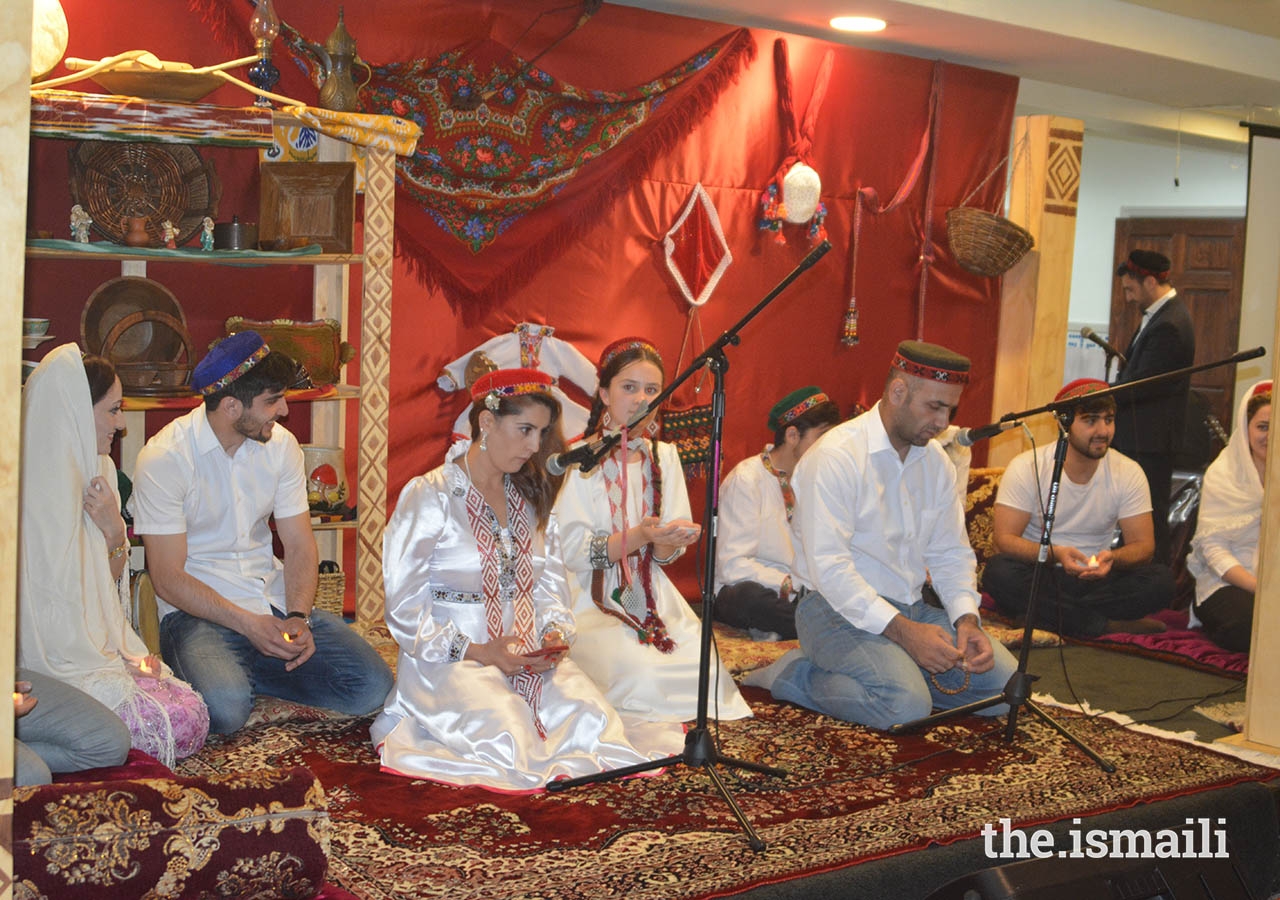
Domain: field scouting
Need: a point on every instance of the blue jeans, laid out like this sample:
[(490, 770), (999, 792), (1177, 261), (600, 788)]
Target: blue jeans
[(857, 676), (344, 673), (67, 731)]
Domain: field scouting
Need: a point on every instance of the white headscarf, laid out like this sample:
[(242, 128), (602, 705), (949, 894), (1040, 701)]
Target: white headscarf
[(71, 622), (1231, 500)]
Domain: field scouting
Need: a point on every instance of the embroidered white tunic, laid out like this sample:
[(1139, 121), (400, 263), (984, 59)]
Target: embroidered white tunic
[(454, 720), (635, 677), (754, 543)]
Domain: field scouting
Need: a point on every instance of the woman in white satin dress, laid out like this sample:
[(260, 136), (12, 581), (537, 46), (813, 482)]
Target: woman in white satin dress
[(475, 598)]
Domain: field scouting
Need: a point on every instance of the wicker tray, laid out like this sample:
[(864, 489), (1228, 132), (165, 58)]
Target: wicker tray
[(113, 181)]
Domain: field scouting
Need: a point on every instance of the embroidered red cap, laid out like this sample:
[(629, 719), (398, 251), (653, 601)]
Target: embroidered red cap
[(1079, 388), (511, 383)]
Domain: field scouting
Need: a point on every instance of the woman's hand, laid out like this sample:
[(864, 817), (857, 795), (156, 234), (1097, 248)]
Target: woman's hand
[(504, 654), (670, 538), (100, 504)]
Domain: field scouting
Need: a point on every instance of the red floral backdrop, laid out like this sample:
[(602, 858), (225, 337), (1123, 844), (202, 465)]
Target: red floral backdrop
[(611, 280)]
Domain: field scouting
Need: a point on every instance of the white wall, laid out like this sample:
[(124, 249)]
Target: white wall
[(1129, 178)]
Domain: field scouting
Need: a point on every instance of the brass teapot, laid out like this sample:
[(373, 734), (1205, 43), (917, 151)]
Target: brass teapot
[(339, 91)]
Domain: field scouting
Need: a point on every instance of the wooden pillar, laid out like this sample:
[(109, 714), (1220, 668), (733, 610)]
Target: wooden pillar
[(1262, 704), (1032, 344), (15, 119), (375, 378)]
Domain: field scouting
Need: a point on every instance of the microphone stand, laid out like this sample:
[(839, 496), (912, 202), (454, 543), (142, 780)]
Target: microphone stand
[(699, 747), (1017, 690)]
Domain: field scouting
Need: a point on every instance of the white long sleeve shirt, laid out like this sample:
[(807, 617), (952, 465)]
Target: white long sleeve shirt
[(868, 525), (753, 540)]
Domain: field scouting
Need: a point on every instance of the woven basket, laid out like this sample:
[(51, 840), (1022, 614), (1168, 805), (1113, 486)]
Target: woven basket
[(984, 243), (113, 181), (330, 591)]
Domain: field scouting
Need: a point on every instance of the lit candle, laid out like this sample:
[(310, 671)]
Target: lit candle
[(1093, 562), (287, 636), (17, 698), (145, 665)]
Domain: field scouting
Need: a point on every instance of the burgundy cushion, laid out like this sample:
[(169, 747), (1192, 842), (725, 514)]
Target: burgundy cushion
[(258, 834)]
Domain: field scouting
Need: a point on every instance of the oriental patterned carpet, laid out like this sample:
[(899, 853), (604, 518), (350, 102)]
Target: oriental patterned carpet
[(851, 795)]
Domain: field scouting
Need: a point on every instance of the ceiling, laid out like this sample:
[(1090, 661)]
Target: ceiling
[(1156, 70)]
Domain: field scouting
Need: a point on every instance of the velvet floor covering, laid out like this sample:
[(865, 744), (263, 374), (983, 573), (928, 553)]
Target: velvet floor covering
[(852, 795)]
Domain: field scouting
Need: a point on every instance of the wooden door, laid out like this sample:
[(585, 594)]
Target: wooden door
[(1207, 257)]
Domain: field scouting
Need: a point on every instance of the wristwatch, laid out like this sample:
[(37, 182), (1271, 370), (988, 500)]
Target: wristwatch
[(305, 617)]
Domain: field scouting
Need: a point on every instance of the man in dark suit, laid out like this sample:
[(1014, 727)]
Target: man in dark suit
[(1150, 421)]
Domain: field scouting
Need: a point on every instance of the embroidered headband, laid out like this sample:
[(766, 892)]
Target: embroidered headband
[(1080, 388), (1262, 387), (228, 360), (622, 346), (795, 405), (931, 361), (493, 386)]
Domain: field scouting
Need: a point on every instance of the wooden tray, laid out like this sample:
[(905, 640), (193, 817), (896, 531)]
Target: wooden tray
[(119, 298), (307, 202)]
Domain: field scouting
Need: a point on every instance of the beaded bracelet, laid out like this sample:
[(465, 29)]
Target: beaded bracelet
[(119, 551), (663, 560)]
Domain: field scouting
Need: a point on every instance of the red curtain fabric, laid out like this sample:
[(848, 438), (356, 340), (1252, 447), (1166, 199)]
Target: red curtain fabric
[(611, 280)]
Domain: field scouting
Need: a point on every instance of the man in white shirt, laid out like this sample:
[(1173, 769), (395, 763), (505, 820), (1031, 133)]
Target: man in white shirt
[(754, 587), (1088, 589), (236, 621), (877, 511)]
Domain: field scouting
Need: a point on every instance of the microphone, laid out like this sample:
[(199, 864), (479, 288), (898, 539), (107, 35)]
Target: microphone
[(1090, 335), (970, 436), (584, 457)]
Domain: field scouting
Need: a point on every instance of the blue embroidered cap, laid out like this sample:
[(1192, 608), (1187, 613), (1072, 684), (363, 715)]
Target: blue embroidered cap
[(228, 360)]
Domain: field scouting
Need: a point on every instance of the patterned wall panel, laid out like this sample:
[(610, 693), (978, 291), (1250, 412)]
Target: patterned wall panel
[(375, 379), (1062, 172)]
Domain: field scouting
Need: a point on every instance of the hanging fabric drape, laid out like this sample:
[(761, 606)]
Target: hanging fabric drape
[(869, 197)]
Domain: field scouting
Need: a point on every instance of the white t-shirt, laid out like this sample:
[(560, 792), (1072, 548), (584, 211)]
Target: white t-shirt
[(184, 483), (1087, 513)]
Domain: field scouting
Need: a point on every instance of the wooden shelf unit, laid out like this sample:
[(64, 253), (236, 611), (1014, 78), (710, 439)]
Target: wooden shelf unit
[(69, 116)]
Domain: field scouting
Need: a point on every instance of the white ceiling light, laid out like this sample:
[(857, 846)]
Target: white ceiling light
[(857, 23)]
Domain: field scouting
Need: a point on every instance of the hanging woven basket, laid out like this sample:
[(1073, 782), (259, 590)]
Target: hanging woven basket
[(984, 243)]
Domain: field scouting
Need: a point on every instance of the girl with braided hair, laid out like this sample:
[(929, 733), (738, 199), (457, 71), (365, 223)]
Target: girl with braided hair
[(620, 523)]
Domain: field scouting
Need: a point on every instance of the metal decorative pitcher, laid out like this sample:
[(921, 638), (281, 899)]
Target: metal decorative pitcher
[(339, 91)]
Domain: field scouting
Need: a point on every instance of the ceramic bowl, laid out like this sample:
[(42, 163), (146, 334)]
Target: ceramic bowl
[(35, 327)]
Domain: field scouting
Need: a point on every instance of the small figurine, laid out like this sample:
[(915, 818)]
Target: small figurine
[(80, 222), (206, 233), (170, 234)]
